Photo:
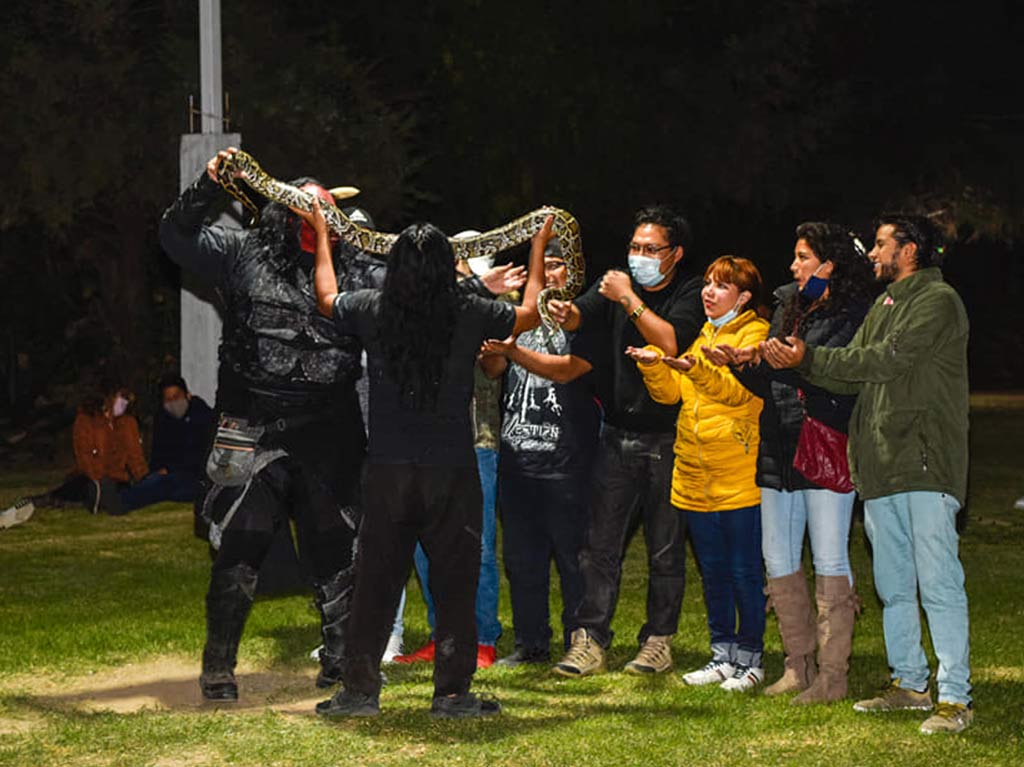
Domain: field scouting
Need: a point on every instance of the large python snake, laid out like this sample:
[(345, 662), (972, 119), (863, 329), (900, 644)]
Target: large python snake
[(242, 165)]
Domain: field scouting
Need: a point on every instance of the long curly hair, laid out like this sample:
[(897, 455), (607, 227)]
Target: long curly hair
[(418, 312), (852, 281)]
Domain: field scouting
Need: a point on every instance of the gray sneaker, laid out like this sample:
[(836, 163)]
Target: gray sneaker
[(20, 512), (896, 698), (948, 717)]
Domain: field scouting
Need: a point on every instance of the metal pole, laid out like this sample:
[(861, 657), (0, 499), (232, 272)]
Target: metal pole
[(211, 87)]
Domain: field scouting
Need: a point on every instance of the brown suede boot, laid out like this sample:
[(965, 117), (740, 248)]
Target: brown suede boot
[(796, 625), (837, 608)]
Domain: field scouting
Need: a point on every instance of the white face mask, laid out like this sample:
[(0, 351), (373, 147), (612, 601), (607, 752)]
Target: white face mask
[(729, 316), (176, 408), (480, 264), (119, 407)]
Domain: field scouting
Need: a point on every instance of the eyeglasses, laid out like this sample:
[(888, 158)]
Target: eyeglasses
[(553, 266), (647, 249)]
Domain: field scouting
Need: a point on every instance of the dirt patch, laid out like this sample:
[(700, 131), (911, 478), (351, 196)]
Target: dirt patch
[(169, 684)]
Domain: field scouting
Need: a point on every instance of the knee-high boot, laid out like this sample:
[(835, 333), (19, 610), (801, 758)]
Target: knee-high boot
[(333, 601), (796, 625), (837, 608), (228, 602)]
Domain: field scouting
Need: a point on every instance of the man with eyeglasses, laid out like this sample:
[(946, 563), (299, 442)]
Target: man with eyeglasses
[(657, 302)]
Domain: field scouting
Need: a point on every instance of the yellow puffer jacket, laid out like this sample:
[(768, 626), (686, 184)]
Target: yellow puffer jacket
[(716, 435)]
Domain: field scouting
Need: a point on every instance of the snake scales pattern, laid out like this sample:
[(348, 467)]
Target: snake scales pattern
[(488, 243)]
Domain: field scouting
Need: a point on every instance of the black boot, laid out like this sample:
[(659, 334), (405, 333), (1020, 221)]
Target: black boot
[(333, 600), (227, 606)]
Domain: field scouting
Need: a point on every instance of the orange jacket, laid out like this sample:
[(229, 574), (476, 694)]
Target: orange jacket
[(108, 448)]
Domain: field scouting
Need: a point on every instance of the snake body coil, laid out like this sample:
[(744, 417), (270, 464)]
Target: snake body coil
[(488, 243)]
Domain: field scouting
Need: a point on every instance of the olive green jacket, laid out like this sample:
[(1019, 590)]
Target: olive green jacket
[(908, 366)]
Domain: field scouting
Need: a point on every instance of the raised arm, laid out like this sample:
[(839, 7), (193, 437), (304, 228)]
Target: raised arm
[(527, 316)]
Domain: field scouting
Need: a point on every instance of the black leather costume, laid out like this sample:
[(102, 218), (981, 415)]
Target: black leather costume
[(283, 366)]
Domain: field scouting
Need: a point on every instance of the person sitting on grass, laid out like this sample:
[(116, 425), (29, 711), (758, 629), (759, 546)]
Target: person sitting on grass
[(181, 431), (108, 454)]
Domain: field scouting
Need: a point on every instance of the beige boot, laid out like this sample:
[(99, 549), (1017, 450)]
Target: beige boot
[(796, 625), (837, 608)]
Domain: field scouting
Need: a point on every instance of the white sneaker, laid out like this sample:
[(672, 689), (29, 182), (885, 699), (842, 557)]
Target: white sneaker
[(16, 514), (744, 678), (716, 672), (315, 655), (1019, 504), (394, 648)]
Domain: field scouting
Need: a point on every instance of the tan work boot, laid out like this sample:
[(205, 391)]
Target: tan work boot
[(796, 625), (948, 717), (655, 656), (837, 608), (895, 698), (585, 656)]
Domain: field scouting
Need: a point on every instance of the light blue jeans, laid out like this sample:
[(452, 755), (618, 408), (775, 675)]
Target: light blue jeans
[(488, 627), (786, 515), (915, 547)]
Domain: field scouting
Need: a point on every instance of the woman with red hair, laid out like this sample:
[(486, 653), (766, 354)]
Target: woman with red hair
[(713, 479)]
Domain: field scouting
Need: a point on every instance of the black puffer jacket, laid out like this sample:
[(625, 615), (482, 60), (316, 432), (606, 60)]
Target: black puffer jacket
[(783, 412)]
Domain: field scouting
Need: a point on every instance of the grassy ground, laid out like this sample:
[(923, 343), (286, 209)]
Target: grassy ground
[(101, 626)]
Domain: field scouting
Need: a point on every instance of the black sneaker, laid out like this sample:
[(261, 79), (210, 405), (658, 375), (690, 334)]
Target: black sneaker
[(219, 686), (465, 706), (537, 656), (345, 703)]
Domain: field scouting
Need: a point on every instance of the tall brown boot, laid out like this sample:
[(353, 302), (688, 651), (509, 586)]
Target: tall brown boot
[(796, 625), (837, 608)]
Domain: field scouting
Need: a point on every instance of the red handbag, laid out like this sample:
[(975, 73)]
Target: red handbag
[(821, 454)]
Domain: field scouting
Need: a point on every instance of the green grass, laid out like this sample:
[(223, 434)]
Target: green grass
[(95, 598)]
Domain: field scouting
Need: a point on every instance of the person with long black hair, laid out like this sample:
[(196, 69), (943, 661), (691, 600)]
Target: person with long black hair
[(421, 484), (831, 291)]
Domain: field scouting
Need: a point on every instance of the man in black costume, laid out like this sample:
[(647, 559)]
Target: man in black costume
[(286, 376)]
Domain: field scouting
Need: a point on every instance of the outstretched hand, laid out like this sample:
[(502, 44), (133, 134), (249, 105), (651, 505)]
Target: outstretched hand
[(783, 355), (682, 364), (493, 347), (504, 279), (724, 354), (214, 164), (643, 356)]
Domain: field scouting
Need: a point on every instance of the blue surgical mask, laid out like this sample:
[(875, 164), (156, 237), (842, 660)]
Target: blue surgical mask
[(646, 271), (814, 288), (729, 316)]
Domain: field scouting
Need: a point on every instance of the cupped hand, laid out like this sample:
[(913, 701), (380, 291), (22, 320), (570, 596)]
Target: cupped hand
[(643, 356)]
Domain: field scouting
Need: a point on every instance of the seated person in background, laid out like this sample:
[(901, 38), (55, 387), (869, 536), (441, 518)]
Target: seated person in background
[(108, 454), (181, 432)]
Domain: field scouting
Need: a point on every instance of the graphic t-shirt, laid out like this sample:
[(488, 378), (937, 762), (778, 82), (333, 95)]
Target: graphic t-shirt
[(549, 430)]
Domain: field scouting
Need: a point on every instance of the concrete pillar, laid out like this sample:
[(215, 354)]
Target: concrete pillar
[(200, 319)]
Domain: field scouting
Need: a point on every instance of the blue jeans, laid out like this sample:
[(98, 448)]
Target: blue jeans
[(915, 548), (488, 627), (727, 545), (155, 487), (824, 514)]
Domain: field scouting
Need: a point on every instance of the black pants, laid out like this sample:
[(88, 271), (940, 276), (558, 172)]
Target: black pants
[(440, 507), (541, 520), (631, 483), (325, 519)]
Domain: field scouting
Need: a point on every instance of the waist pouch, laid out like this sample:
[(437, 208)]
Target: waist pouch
[(233, 455)]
